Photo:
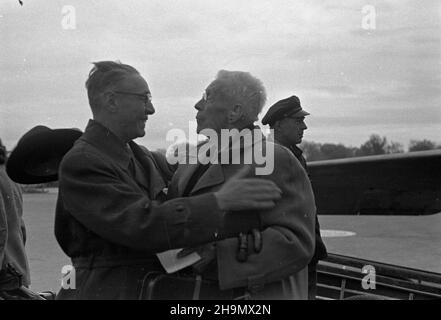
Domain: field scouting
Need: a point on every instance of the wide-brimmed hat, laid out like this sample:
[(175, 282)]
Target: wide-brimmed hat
[(38, 154), (289, 107)]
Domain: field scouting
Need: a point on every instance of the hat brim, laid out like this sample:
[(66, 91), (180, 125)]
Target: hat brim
[(36, 159), (299, 114)]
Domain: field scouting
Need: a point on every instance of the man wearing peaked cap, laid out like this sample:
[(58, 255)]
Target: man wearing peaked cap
[(289, 107), (287, 118)]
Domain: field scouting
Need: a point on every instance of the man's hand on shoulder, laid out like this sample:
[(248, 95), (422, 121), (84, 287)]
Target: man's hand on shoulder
[(241, 193)]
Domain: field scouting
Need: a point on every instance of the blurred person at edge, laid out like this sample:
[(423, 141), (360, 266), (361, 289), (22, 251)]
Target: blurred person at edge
[(14, 268)]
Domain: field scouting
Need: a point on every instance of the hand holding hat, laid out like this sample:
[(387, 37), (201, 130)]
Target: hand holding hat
[(38, 154)]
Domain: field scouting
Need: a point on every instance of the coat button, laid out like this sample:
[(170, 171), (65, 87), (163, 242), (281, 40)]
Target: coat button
[(180, 207)]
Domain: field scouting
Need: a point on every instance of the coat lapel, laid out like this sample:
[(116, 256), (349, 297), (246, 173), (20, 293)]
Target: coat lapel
[(215, 173), (212, 177), (183, 175), (145, 158)]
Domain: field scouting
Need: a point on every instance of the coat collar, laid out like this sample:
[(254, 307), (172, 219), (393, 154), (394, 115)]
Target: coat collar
[(147, 160), (294, 149), (212, 177), (106, 141), (215, 173), (298, 153)]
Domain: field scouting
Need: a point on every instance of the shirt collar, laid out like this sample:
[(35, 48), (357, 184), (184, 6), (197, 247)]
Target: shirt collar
[(296, 150)]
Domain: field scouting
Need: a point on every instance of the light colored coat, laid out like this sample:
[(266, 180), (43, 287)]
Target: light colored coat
[(12, 229), (287, 230)]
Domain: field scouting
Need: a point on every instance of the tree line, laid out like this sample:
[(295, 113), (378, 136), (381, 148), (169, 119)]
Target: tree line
[(375, 145)]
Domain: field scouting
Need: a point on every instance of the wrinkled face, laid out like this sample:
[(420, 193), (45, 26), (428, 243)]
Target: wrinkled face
[(133, 105), (212, 110), (291, 129)]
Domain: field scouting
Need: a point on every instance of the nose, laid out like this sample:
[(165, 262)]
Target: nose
[(304, 126), (199, 105), (149, 109)]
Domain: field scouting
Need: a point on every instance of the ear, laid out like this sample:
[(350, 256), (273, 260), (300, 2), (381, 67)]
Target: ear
[(110, 102), (236, 113)]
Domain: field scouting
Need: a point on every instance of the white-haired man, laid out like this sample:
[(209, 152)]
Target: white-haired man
[(269, 260)]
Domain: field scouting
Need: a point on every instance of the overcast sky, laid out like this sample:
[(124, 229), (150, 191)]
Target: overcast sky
[(353, 81)]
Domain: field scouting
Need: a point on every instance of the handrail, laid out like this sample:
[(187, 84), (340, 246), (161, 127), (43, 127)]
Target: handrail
[(378, 158), (385, 268), (340, 277)]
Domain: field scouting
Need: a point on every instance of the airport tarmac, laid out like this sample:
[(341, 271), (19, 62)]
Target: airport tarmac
[(411, 241)]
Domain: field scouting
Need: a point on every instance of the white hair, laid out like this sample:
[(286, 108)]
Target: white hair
[(242, 88)]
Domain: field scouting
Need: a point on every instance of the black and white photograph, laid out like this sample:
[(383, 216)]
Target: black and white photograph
[(220, 151)]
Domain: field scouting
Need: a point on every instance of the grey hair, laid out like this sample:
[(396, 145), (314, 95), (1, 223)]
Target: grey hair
[(104, 75), (242, 88)]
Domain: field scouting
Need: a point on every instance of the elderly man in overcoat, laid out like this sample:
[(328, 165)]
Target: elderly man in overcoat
[(269, 260)]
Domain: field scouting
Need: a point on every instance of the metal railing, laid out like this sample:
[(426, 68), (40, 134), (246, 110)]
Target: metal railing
[(341, 277)]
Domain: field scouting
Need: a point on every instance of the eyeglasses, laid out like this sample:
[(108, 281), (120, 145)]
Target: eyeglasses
[(146, 97)]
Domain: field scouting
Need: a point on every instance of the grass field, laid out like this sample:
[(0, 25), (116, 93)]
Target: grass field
[(409, 241)]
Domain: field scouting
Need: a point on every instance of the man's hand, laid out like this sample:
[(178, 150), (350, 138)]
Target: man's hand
[(207, 253), (240, 193)]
